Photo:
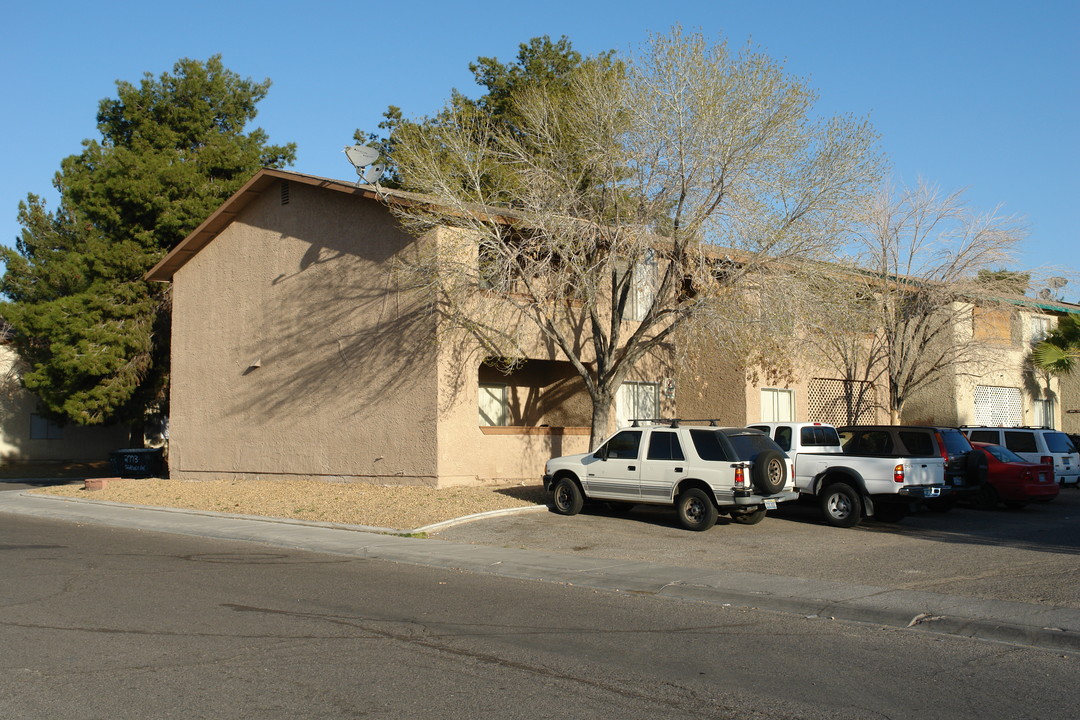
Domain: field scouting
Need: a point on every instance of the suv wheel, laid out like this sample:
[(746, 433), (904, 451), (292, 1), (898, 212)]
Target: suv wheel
[(696, 510), (566, 497), (841, 505)]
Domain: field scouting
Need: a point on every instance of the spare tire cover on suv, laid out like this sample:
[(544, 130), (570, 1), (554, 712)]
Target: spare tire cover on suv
[(769, 472)]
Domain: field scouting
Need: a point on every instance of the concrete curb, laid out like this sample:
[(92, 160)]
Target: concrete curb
[(1048, 627)]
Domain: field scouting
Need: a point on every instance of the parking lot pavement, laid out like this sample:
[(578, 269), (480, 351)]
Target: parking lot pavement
[(1029, 556)]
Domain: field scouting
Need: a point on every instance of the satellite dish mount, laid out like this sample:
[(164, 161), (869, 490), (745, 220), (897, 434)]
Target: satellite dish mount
[(362, 158)]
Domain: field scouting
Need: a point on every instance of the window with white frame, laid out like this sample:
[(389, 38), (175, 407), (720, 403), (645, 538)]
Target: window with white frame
[(42, 428), (642, 288), (1043, 411), (637, 400), (1040, 328), (777, 405), (494, 404)]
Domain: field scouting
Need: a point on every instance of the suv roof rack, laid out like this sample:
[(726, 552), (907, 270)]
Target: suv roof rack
[(673, 422)]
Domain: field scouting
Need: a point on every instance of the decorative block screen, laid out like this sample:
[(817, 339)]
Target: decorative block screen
[(998, 405), (828, 401)]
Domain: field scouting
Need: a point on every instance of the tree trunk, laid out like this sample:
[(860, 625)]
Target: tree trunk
[(601, 418)]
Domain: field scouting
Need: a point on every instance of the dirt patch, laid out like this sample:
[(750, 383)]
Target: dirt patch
[(399, 507)]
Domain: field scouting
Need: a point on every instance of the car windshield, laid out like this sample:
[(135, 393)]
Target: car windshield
[(1058, 443), (1004, 454)]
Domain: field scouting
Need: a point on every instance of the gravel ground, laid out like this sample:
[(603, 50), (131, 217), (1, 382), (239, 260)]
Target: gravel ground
[(398, 507)]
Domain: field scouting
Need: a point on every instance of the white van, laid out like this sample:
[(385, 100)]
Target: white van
[(1034, 444)]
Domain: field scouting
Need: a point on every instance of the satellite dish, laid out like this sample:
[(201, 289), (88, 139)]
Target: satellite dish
[(373, 173), (361, 155)]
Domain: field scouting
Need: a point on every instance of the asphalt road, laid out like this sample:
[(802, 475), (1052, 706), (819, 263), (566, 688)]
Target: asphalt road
[(1030, 556), (100, 622)]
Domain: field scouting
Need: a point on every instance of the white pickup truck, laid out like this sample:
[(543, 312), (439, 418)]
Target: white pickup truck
[(702, 471), (883, 471)]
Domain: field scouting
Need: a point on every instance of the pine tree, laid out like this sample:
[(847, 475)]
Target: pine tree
[(93, 334)]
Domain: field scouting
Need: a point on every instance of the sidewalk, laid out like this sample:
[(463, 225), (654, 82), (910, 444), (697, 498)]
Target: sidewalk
[(1054, 628)]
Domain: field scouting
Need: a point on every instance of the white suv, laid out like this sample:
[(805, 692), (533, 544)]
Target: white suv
[(702, 471), (1037, 445)]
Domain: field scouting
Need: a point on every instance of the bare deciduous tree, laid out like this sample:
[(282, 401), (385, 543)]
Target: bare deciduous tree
[(637, 200), (903, 310)]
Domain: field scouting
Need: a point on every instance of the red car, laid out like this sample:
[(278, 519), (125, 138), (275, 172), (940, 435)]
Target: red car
[(1013, 480)]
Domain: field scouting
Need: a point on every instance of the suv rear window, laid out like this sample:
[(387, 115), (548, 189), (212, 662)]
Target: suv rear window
[(1057, 442), (707, 444), (955, 441), (749, 445), (1021, 441)]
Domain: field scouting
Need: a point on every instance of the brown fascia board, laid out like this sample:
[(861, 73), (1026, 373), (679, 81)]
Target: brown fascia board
[(253, 188)]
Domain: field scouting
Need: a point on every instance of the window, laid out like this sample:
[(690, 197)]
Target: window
[(992, 325), (1040, 328), (1057, 442), (818, 436), (44, 429), (867, 442), (919, 444), (665, 446), (707, 444), (783, 437), (1021, 441), (985, 436), (623, 446), (493, 404), (777, 405), (1044, 412), (637, 400), (642, 288)]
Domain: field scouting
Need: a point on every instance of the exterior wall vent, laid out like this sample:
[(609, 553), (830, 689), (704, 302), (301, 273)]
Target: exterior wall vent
[(284, 192)]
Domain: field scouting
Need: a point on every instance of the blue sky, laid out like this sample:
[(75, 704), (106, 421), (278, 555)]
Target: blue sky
[(979, 94)]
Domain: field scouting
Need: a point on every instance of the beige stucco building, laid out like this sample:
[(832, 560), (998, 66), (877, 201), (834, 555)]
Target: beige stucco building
[(28, 436), (296, 352), (994, 386)]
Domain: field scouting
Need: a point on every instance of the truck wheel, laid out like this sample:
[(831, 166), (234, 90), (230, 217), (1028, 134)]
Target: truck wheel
[(696, 510), (769, 472), (841, 505), (566, 497), (749, 518)]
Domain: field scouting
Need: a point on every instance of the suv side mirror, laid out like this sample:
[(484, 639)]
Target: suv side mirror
[(601, 454)]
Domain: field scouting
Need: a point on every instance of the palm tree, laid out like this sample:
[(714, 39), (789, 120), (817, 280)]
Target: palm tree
[(1059, 353)]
